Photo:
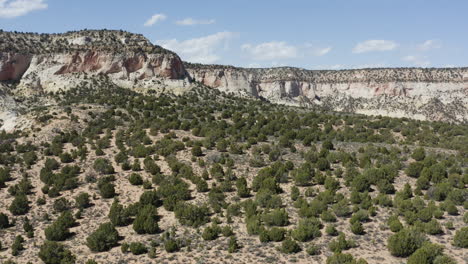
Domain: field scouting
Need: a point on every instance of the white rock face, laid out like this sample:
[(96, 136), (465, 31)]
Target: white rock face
[(425, 94), (53, 72)]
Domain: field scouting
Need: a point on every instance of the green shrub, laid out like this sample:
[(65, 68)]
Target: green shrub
[(433, 228), (19, 205), (138, 248), (103, 166), (425, 254), (55, 253), (82, 200), (4, 221), (290, 246), (277, 217), (146, 221), (124, 247), (443, 259), (328, 216), (313, 250), (17, 246), (405, 242), (233, 246), (461, 238), (357, 228), (340, 243), (307, 229), (418, 154), (276, 234), (323, 164), (197, 151), (57, 231), (61, 204), (118, 215), (106, 188), (135, 179), (192, 215), (394, 224), (425, 214), (103, 239), (331, 230), (171, 246), (211, 232), (342, 258)]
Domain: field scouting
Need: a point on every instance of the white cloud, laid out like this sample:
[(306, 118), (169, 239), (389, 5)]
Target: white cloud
[(417, 60), (430, 44), (191, 22), (271, 50), (16, 8), (201, 50), (375, 45), (322, 51), (155, 19)]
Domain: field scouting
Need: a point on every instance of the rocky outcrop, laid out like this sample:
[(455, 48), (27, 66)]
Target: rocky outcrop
[(35, 63), (399, 92), (50, 62)]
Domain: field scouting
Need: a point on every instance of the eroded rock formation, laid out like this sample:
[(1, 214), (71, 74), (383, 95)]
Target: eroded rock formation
[(434, 94), (53, 62)]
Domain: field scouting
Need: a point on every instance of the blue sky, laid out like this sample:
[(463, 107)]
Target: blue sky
[(313, 34)]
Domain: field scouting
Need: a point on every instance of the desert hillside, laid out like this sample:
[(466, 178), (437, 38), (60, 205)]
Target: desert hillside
[(104, 174)]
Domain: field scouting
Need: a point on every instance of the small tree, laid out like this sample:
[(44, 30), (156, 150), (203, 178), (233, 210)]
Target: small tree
[(307, 229), (405, 242), (135, 179), (146, 222), (118, 215), (17, 246), (290, 246), (82, 200), (197, 151), (418, 154), (426, 254), (138, 248), (211, 232), (106, 188), (55, 253), (103, 239), (4, 221), (461, 238), (20, 205), (233, 245), (103, 166), (171, 246)]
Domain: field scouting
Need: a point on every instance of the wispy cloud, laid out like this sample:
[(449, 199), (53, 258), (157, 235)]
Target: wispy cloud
[(191, 22), (16, 8), (430, 44), (155, 19), (271, 50), (201, 50), (321, 51), (419, 61), (375, 45)]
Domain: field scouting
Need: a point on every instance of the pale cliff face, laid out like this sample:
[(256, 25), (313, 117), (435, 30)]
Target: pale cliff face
[(414, 93), (52, 62), (71, 56)]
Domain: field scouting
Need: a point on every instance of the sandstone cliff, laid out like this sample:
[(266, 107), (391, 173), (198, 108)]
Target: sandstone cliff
[(50, 62), (32, 63), (434, 94)]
